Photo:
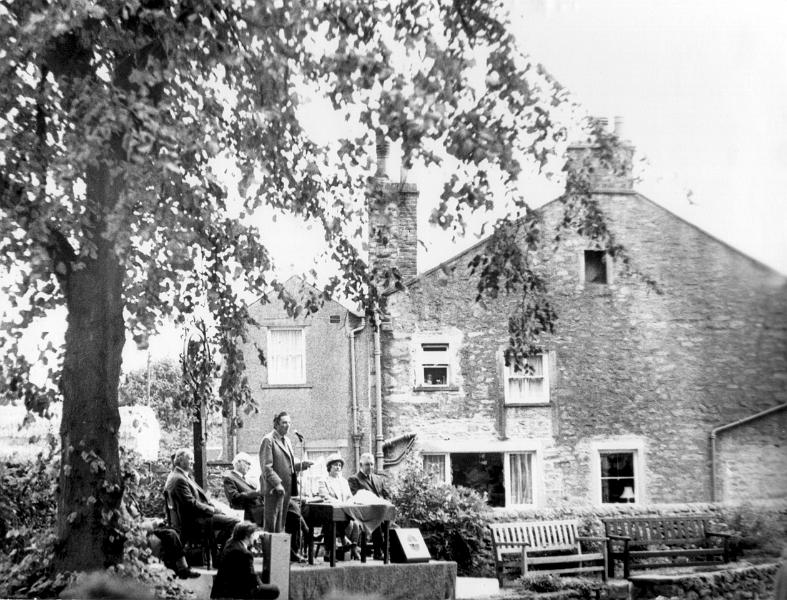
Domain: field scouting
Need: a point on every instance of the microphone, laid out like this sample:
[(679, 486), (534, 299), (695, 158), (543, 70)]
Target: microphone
[(298, 435)]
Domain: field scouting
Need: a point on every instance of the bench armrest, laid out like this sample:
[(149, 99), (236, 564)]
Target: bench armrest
[(718, 533), (592, 538), (623, 538)]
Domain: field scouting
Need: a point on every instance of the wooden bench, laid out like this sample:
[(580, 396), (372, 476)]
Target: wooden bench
[(551, 543), (635, 537)]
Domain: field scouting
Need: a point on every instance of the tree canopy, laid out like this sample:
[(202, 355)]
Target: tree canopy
[(114, 115)]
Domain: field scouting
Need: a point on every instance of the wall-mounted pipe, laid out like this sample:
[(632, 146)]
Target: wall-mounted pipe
[(379, 456), (355, 433), (715, 432)]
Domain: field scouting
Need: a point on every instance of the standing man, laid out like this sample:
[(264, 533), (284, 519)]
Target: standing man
[(240, 493), (365, 479), (277, 481)]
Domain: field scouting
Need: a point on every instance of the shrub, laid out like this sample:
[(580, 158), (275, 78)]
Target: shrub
[(755, 530), (544, 583), (27, 498), (451, 519), (27, 525)]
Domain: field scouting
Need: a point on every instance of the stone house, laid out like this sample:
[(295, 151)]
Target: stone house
[(316, 369), (639, 396)]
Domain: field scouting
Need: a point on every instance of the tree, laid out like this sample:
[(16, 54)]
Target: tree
[(113, 115)]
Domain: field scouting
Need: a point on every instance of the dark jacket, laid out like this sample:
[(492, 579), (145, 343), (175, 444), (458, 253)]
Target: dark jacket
[(189, 500), (241, 495), (373, 483), (236, 577)]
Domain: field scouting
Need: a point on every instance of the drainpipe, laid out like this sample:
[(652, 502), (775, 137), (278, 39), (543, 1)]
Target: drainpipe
[(378, 393), (355, 433), (732, 425)]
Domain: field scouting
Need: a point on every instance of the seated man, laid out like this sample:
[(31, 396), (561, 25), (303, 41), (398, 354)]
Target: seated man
[(194, 510), (236, 577), (240, 493), (365, 479)]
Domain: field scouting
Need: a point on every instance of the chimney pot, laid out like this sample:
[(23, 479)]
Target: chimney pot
[(619, 127), (383, 149)]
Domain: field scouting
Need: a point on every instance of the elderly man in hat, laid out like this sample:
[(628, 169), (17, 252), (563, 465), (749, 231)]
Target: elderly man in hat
[(335, 488)]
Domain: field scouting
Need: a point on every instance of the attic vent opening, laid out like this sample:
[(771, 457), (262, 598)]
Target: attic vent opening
[(595, 266), (335, 319)]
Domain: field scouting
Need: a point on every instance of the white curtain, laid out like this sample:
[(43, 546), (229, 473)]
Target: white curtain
[(285, 356), (521, 470), (524, 386), (434, 464)]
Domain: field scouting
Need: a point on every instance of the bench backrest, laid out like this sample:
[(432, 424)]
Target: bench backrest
[(539, 535), (659, 530)]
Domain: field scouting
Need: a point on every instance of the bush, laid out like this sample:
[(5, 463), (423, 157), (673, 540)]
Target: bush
[(27, 525), (755, 530), (27, 498), (452, 519), (544, 583)]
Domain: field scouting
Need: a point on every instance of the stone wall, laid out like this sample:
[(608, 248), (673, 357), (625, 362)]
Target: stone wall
[(631, 368), (755, 582), (726, 516)]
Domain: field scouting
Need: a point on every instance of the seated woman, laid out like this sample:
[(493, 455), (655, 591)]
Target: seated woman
[(236, 577), (335, 488)]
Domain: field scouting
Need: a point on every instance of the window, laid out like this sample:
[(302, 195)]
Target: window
[(529, 385), (618, 481), (502, 479), (433, 364), (286, 354), (596, 266), (436, 465), (520, 478)]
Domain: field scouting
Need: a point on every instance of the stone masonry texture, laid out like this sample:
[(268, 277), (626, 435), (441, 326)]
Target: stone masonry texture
[(630, 367)]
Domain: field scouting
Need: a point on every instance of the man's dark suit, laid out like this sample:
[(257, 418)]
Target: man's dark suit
[(242, 495), (193, 509), (374, 484), (236, 577)]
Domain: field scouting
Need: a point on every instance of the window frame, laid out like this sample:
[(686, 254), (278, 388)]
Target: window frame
[(635, 446), (302, 376), (509, 373), (422, 364), (447, 477), (609, 265)]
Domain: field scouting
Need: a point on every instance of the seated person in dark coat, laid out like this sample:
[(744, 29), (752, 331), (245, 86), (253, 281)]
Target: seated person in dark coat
[(193, 509), (240, 493), (236, 577), (365, 479)]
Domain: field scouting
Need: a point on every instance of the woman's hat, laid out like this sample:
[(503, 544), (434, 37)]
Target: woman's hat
[(333, 458)]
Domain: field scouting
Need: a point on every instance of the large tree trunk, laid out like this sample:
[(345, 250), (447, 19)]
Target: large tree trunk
[(91, 486)]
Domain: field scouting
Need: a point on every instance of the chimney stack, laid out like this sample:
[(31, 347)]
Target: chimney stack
[(393, 226), (606, 174)]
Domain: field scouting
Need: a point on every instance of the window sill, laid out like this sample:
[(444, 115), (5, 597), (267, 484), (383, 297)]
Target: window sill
[(436, 388), (286, 386), (527, 404)]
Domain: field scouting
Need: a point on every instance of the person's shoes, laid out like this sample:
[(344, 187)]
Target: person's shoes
[(354, 555), (295, 557), (377, 555), (187, 574)]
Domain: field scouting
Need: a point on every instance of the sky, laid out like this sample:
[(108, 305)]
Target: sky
[(702, 89)]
